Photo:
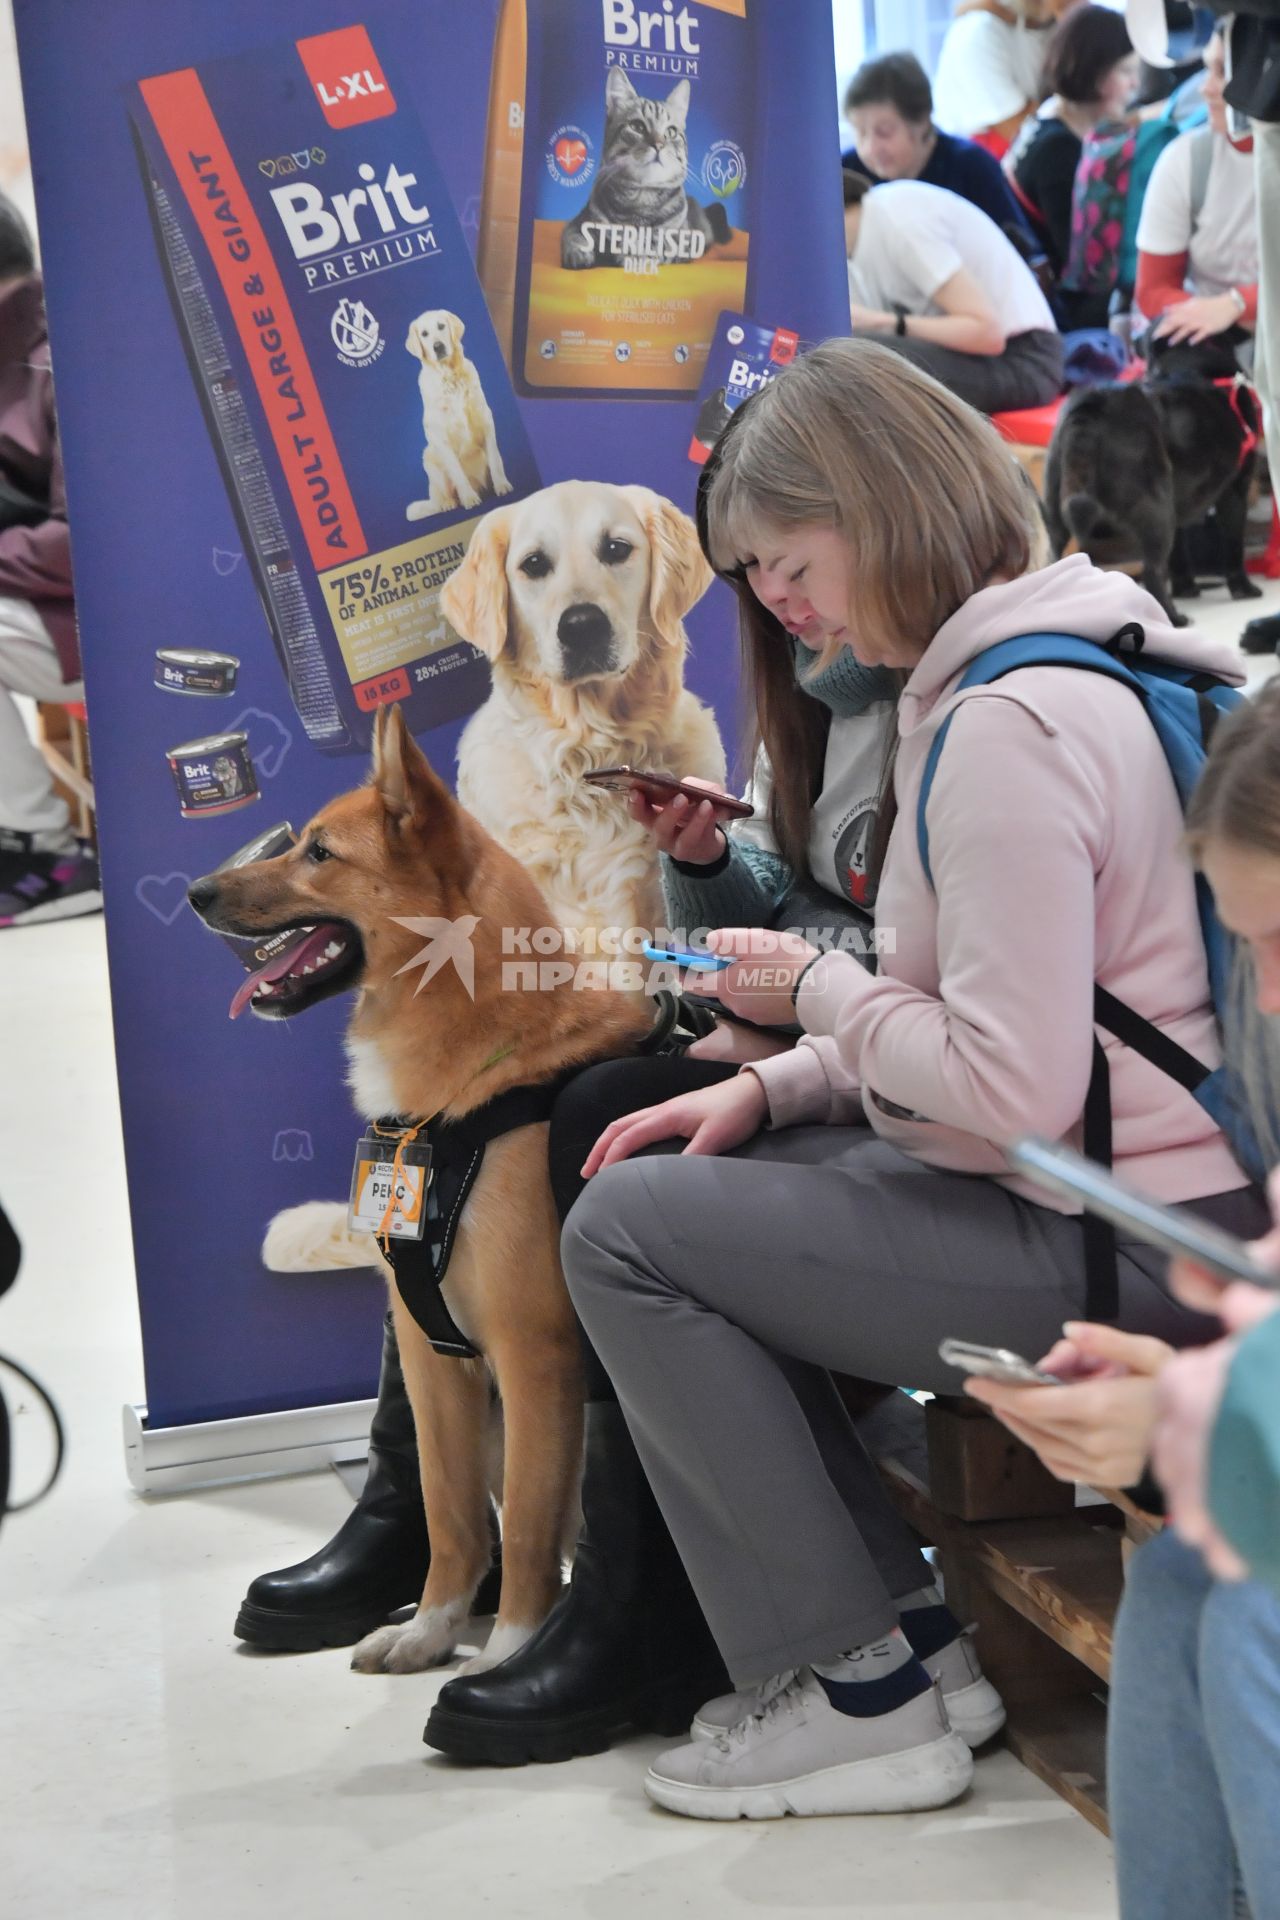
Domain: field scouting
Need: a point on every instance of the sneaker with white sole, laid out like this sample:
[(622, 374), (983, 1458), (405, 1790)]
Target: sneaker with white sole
[(797, 1754), (35, 887), (974, 1708)]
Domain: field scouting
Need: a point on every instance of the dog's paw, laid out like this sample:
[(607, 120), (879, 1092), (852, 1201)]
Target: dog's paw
[(1240, 587), (503, 1642), (501, 484), (417, 510), (426, 1641), (468, 497)]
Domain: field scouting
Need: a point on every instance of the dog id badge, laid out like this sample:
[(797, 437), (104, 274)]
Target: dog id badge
[(389, 1186)]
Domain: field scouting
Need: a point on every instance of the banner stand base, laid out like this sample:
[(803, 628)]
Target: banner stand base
[(256, 1447)]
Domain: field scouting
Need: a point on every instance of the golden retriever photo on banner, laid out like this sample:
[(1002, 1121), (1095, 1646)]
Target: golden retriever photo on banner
[(577, 595), (461, 458)]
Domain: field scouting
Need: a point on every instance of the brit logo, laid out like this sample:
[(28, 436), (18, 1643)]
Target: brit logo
[(356, 334)]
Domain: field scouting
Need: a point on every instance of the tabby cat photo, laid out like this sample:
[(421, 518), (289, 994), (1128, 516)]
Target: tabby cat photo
[(641, 187)]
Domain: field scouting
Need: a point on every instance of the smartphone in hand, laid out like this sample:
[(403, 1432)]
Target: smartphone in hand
[(995, 1363), (1059, 1170), (660, 788)]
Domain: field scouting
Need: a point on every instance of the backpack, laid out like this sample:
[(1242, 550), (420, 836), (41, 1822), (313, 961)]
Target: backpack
[(1184, 707)]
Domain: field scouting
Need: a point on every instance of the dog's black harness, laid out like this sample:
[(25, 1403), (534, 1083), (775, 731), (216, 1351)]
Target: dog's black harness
[(457, 1155)]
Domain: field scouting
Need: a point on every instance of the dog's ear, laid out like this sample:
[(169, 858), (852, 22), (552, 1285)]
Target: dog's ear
[(408, 786), (413, 343), (678, 571), (459, 327), (474, 599)]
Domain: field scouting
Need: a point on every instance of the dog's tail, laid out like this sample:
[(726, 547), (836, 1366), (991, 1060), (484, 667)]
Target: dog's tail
[(315, 1238), (1088, 520)]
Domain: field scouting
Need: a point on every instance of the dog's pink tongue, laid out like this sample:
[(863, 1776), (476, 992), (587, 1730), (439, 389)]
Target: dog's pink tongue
[(292, 957)]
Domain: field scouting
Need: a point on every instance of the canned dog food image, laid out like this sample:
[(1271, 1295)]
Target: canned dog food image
[(189, 670), (250, 952), (615, 219), (352, 384), (214, 775)]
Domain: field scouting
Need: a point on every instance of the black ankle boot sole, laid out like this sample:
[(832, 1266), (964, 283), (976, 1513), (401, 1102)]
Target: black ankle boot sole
[(277, 1632), (274, 1631), (486, 1741)]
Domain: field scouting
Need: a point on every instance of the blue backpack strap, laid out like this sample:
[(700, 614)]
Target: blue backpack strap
[(1023, 650)]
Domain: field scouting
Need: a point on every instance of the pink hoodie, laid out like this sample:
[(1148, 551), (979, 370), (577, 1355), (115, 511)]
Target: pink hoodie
[(1055, 838)]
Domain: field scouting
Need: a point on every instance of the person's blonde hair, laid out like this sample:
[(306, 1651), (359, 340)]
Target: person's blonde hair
[(922, 488)]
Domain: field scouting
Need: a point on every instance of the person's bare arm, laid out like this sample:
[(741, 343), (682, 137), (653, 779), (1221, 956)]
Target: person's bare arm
[(968, 322)]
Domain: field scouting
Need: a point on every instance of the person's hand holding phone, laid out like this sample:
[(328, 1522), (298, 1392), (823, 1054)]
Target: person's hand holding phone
[(689, 830), (761, 983), (1098, 1426)]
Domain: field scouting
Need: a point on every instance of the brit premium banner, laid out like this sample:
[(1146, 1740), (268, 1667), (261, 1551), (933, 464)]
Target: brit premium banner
[(292, 253), (348, 370)]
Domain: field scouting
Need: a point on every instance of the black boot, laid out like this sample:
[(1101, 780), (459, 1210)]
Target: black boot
[(375, 1563), (625, 1650), (1261, 635)]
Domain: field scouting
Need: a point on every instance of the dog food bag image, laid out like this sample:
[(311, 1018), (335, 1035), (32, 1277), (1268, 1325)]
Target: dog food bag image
[(350, 377), (744, 357), (616, 218)]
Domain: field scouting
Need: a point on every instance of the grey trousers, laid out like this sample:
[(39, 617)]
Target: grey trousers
[(718, 1290), (1027, 374)]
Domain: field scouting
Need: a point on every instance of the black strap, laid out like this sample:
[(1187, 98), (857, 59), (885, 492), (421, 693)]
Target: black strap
[(1116, 1018), (457, 1155), (1101, 1274), (420, 1265)]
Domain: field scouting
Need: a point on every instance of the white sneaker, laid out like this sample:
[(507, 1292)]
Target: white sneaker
[(797, 1754), (974, 1708)]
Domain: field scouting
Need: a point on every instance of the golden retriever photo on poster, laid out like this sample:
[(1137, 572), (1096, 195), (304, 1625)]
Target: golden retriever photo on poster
[(461, 458), (577, 595)]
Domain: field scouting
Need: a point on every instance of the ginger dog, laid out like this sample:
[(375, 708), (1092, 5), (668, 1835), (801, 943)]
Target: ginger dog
[(421, 1042)]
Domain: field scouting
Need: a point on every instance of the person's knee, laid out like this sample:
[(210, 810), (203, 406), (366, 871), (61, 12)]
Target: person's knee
[(1164, 1578), (598, 1242)]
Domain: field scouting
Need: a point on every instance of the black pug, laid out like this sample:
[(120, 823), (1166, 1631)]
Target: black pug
[(1109, 487), (1210, 432)]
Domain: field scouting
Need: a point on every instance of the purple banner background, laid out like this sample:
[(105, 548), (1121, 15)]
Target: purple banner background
[(224, 1125)]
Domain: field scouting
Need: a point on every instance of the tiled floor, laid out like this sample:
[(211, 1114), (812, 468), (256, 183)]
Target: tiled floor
[(147, 1766)]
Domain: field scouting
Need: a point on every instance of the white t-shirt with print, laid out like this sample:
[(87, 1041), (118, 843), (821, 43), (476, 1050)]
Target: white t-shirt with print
[(1223, 247), (844, 813), (987, 72), (912, 238)]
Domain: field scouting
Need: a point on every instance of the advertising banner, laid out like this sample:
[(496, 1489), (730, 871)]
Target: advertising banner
[(330, 284)]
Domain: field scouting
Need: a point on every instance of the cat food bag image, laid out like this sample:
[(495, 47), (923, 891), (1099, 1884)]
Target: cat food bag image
[(351, 381), (615, 225), (744, 357)]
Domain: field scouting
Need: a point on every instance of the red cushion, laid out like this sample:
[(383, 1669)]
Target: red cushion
[(76, 709), (1029, 426)]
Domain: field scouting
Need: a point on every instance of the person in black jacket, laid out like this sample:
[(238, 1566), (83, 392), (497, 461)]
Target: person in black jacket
[(889, 105)]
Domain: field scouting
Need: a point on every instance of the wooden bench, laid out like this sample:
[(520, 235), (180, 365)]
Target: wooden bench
[(1040, 1578), (63, 735)]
